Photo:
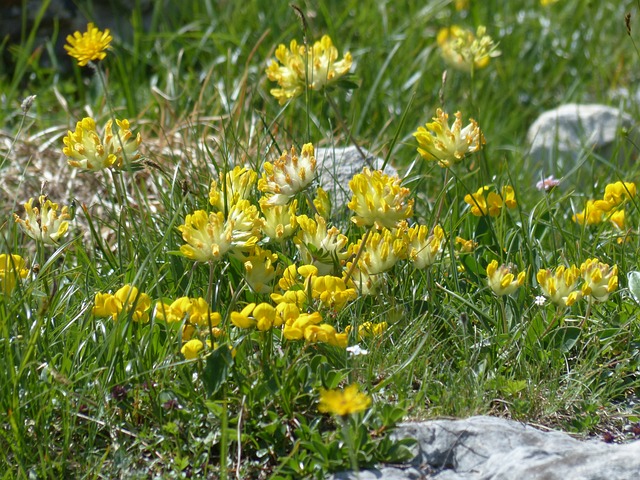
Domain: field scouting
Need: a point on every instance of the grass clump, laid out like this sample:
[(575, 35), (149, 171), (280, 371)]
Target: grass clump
[(179, 296)]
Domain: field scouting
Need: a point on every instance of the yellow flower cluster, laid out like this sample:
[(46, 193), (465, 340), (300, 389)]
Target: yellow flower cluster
[(288, 175), (127, 299), (318, 245), (463, 50), (610, 207), (194, 312), (43, 223), (483, 203), (234, 186), (369, 329), (343, 402), (85, 149), (297, 69), (88, 46), (12, 269), (502, 280), (447, 145)]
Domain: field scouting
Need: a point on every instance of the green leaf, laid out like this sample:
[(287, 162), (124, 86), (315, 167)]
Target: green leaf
[(565, 338), (217, 369), (634, 285)]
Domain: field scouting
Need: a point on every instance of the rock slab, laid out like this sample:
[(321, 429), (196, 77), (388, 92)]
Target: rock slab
[(483, 448)]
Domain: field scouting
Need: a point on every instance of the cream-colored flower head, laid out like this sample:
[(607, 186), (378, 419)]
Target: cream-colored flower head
[(295, 69), (502, 280), (288, 175), (378, 199), (561, 286), (445, 144), (600, 280), (280, 221), (85, 149), (88, 46), (463, 50), (382, 251), (259, 270), (235, 185), (44, 224), (319, 245), (424, 249)]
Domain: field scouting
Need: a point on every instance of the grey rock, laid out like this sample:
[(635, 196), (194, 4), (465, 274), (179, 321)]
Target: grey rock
[(337, 165), (562, 138), (483, 447)]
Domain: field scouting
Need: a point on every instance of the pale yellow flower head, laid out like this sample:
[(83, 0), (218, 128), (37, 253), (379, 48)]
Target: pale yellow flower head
[(463, 50), (280, 221), (44, 224), (600, 280), (319, 245), (502, 280), (295, 69), (288, 175), (382, 251), (424, 249), (378, 199), (343, 402), (235, 185), (88, 46), (447, 145), (561, 286), (85, 149), (259, 270), (12, 268)]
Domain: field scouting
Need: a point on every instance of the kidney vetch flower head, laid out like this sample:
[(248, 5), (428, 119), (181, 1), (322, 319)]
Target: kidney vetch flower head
[(43, 223), (88, 46), (12, 268), (561, 285), (288, 175), (85, 149), (446, 144), (465, 51), (600, 279), (378, 199), (343, 402), (501, 279), (297, 68)]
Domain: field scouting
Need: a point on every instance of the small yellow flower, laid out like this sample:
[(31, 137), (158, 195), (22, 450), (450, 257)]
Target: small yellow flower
[(615, 194), (193, 310), (439, 142), (591, 215), (12, 268), (462, 5), (84, 148), (88, 46), (191, 349), (545, 3), (43, 224), (325, 333), (600, 279), (126, 299), (295, 329), (501, 279), (465, 51), (424, 249), (466, 246), (322, 203), (259, 271), (244, 319), (235, 185), (332, 291), (617, 218), (343, 402), (288, 175), (560, 286), (370, 329), (296, 69), (378, 199)]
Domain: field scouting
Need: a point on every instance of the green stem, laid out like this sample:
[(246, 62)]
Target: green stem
[(224, 427), (363, 245), (348, 439)]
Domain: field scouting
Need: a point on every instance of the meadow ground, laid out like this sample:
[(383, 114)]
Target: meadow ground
[(195, 307)]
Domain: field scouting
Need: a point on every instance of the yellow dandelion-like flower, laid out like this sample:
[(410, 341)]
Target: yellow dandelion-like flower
[(502, 280), (378, 199), (88, 46), (560, 286), (445, 144), (12, 268), (288, 175), (465, 51), (296, 69), (43, 223), (343, 402), (85, 149)]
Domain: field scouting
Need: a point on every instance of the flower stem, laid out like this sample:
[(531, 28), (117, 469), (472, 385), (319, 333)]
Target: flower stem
[(363, 244)]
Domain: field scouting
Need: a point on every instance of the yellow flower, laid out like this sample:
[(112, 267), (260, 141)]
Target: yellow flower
[(259, 271), (615, 194), (297, 69), (262, 316), (44, 224), (191, 349), (243, 319), (279, 220), (462, 5), (126, 299), (617, 218), (466, 246), (288, 175), (343, 402), (382, 251), (365, 282), (492, 203), (332, 291), (448, 145), (84, 148), (194, 310), (378, 199), (369, 329), (325, 333), (424, 250), (318, 245), (599, 279), (295, 328), (465, 51), (235, 185), (544, 3), (88, 46), (560, 286), (12, 268), (591, 215), (322, 203), (501, 279)]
